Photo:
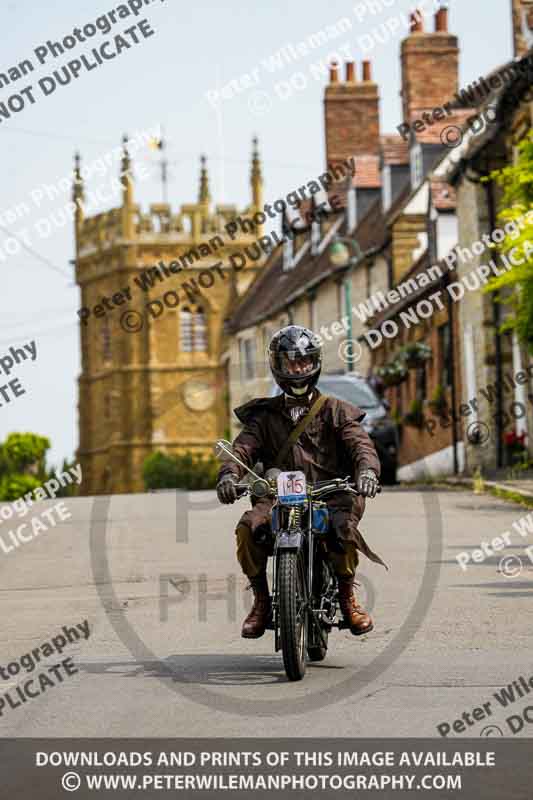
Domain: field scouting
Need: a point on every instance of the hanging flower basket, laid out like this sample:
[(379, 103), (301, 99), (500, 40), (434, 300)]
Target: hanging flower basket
[(393, 374), (415, 354)]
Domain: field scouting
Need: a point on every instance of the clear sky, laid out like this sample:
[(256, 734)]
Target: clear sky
[(165, 79)]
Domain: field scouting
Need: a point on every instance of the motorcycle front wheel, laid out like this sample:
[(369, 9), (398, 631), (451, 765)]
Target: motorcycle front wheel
[(292, 613)]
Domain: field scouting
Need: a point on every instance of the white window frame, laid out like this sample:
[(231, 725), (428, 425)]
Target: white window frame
[(386, 180), (417, 165)]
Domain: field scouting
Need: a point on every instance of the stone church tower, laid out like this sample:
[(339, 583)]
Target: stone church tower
[(522, 26), (151, 354)]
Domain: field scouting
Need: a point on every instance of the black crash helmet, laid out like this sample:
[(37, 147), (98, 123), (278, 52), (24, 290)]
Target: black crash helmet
[(295, 355)]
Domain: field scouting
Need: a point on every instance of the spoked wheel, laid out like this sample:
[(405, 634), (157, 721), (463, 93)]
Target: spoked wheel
[(292, 613)]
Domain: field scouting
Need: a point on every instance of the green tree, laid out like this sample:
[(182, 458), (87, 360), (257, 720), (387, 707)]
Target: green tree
[(69, 489), (24, 453), (515, 287), (22, 464), (13, 486)]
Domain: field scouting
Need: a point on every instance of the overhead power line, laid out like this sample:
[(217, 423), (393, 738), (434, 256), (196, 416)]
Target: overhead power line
[(35, 254)]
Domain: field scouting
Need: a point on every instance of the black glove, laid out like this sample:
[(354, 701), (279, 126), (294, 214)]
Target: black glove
[(367, 483), (226, 491)]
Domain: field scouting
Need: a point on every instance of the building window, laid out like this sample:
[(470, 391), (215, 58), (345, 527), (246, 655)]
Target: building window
[(316, 234), (445, 355), (248, 359), (387, 187), (193, 330), (263, 362), (106, 340), (417, 166), (288, 254)]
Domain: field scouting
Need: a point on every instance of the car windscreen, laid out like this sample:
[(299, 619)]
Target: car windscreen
[(358, 393)]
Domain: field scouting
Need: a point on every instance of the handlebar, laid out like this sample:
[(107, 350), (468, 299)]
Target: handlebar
[(316, 489)]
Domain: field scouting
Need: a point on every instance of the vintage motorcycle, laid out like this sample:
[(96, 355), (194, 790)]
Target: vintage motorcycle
[(304, 587)]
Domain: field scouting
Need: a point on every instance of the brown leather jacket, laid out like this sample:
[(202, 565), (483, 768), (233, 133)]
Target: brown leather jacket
[(333, 445)]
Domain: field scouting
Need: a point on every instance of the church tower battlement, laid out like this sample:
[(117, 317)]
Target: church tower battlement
[(151, 376)]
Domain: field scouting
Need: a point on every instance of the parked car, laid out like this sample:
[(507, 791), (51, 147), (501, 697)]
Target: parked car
[(378, 423)]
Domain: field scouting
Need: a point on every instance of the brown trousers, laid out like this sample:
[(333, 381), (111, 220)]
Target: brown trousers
[(253, 557)]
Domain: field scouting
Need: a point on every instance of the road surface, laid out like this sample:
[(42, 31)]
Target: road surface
[(156, 578)]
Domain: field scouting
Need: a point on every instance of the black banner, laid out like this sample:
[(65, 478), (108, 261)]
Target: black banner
[(491, 769)]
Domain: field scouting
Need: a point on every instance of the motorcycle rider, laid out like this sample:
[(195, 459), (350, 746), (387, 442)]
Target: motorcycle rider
[(332, 444)]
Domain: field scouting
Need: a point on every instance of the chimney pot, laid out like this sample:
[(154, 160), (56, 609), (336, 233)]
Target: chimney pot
[(333, 72), (367, 71), (350, 72), (441, 20), (416, 22)]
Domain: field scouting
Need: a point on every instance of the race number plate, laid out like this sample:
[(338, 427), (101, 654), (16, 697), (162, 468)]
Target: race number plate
[(291, 487)]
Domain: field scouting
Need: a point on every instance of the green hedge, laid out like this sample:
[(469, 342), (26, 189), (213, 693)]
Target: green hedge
[(188, 471)]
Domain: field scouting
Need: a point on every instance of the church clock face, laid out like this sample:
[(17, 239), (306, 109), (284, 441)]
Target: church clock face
[(198, 395)]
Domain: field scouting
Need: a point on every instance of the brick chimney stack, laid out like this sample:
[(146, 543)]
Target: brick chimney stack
[(522, 26), (430, 66), (351, 115)]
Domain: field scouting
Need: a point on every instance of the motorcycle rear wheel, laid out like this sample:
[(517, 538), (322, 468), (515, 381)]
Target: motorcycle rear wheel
[(323, 576), (292, 613), (318, 652)]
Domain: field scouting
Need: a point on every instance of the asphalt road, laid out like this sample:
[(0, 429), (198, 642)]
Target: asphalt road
[(156, 578)]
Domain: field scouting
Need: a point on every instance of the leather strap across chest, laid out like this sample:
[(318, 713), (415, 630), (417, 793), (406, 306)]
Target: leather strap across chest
[(300, 428)]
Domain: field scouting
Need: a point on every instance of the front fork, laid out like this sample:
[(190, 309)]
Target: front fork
[(313, 615), (292, 539)]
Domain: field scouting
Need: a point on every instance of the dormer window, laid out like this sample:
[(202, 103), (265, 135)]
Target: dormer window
[(316, 233), (417, 165), (386, 177), (288, 254)]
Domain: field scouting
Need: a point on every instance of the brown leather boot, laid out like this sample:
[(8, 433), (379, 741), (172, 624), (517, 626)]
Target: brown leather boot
[(354, 615), (255, 623)]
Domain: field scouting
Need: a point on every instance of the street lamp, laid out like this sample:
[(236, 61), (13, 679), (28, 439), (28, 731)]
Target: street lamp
[(345, 252)]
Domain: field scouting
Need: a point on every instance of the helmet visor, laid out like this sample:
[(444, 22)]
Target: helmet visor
[(295, 364)]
